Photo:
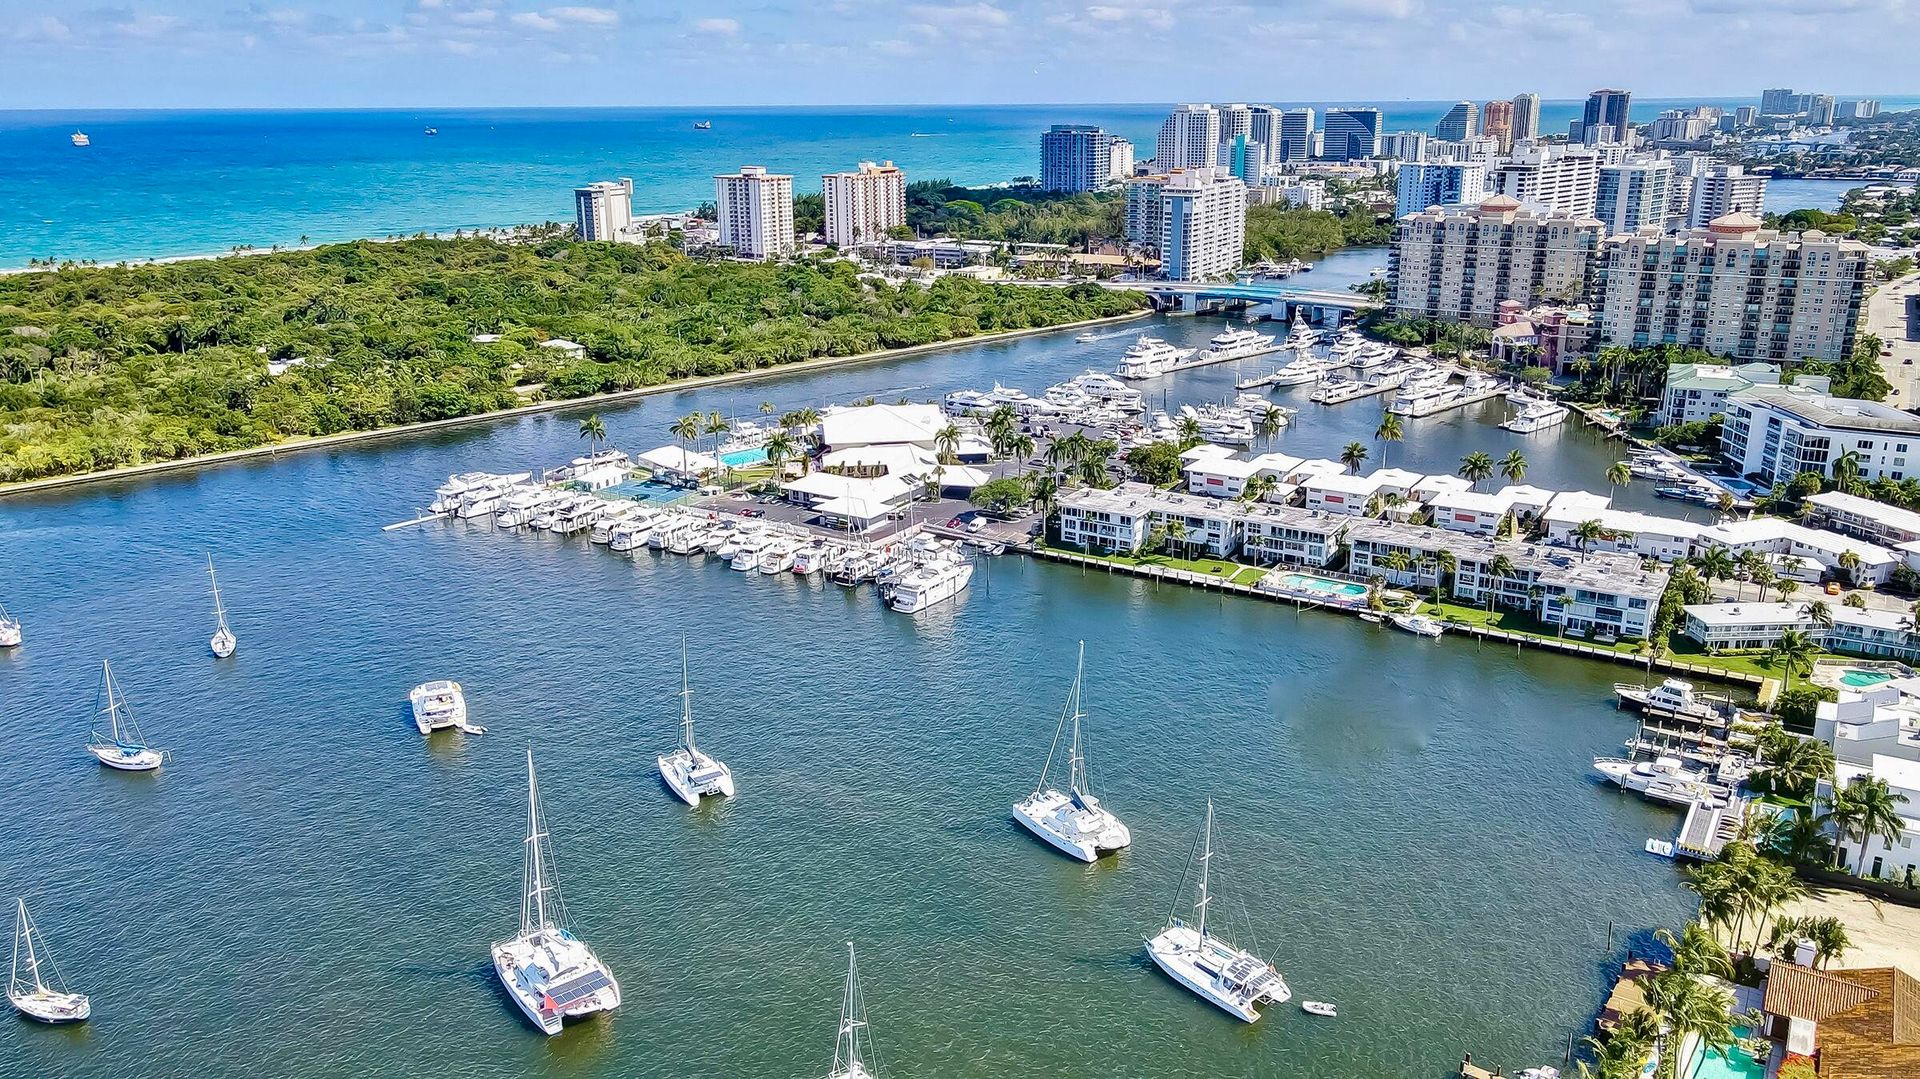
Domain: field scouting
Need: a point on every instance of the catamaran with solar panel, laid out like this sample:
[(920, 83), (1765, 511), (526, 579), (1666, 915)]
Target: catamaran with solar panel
[(551, 974), (690, 773), (1231, 979), (1073, 821)]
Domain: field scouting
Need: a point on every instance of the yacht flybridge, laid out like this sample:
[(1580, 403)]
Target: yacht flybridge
[(688, 772), (117, 742), (853, 1055), (35, 987), (551, 974), (1073, 820), (1232, 979), (223, 641)]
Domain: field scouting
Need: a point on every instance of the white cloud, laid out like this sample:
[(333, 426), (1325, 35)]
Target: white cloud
[(718, 27), (1386, 9), (480, 17), (533, 20), (963, 15), (44, 28), (585, 16)]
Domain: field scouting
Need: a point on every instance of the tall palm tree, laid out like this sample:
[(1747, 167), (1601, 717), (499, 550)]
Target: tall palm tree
[(1270, 421), (1514, 466), (687, 428), (1850, 565), (1388, 433), (1820, 614), (1498, 570), (1846, 472), (594, 430), (1002, 427), (1398, 561), (716, 425), (1795, 766), (1476, 466), (1866, 808), (1619, 474), (1586, 534), (1189, 431), (1715, 564), (1697, 951), (1177, 534), (1021, 448), (1794, 651), (946, 443), (1354, 456), (780, 449), (1260, 487), (1786, 586)]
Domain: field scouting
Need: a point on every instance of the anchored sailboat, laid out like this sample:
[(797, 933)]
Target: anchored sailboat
[(223, 642), (849, 1059), (35, 987), (690, 773), (1074, 821), (551, 974), (119, 744), (1230, 978), (10, 633)]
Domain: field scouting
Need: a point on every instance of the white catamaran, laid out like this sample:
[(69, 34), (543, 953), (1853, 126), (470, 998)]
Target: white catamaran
[(690, 773), (29, 987), (853, 1055), (223, 642), (1230, 978), (119, 744), (551, 974), (1073, 821)]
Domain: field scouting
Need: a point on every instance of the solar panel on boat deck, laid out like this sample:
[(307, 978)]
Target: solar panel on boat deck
[(585, 985)]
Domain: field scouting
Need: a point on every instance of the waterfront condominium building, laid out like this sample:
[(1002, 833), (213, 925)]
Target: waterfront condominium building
[(1461, 122), (1440, 183), (1725, 189), (1459, 263), (1405, 146), (1082, 157), (1496, 120), (1733, 289), (1203, 224), (756, 212), (1778, 432), (1633, 194), (1552, 177), (1526, 117), (860, 206), (604, 210), (1606, 119), (1295, 141), (1189, 138), (1351, 134)]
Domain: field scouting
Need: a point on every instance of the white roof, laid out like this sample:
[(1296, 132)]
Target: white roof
[(876, 492), (1471, 502), (898, 460), (1397, 477), (563, 344), (963, 476), (1440, 484), (678, 459), (1648, 524), (1315, 466), (1205, 451), (1894, 517), (1227, 467), (1748, 614), (1575, 506), (1898, 772), (1518, 494), (866, 425), (1339, 484), (853, 508), (1773, 529)]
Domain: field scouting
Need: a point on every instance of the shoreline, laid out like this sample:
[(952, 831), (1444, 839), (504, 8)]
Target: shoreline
[(345, 438)]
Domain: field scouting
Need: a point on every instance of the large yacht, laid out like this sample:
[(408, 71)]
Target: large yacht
[(931, 583), (1663, 779), (1305, 369), (690, 773), (612, 518), (1237, 343), (631, 533), (746, 552), (778, 556), (1073, 820), (438, 705), (1535, 414), (1150, 357), (446, 497), (551, 974), (522, 506), (1232, 979), (1109, 390), (1672, 697)]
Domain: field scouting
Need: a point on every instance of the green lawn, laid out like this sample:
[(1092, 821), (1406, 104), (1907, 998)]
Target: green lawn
[(1213, 567)]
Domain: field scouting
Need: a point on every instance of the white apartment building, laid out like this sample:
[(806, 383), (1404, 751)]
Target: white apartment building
[(1633, 194), (1189, 138), (860, 206), (1733, 289), (1876, 733), (604, 210), (1551, 177), (756, 212), (1778, 432), (1226, 475), (1433, 183), (1203, 224), (1285, 535), (1146, 210), (1723, 190), (1405, 146), (1698, 391), (1460, 263), (1837, 511)]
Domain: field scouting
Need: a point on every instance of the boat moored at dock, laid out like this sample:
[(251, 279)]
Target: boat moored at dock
[(1672, 697), (1419, 625)]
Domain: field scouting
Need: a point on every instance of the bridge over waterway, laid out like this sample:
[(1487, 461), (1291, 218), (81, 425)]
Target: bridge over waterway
[(1272, 298)]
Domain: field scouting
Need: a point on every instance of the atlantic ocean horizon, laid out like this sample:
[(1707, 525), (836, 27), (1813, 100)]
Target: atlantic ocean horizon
[(158, 184)]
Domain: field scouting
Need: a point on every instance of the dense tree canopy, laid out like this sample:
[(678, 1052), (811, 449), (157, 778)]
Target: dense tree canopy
[(1016, 214), (103, 367)]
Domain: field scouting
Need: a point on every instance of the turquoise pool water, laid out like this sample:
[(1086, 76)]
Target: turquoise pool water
[(1736, 1064), (1858, 677), (742, 458), (1305, 583)]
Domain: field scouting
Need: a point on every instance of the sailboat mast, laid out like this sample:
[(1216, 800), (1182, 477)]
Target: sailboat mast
[(686, 702), (23, 933), (1077, 764), (1206, 855), (850, 1021), (533, 907), (113, 703)]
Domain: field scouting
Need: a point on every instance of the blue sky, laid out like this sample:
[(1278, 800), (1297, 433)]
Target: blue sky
[(201, 53)]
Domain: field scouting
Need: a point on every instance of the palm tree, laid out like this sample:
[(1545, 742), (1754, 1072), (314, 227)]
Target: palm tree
[(1354, 456), (1819, 614), (594, 430), (1270, 422), (1846, 472), (1514, 466), (1177, 533), (717, 426), (687, 428), (1260, 487), (1697, 951), (1476, 466), (1795, 766), (1619, 474), (1189, 431), (1044, 487), (766, 408), (946, 443), (1498, 570), (1002, 426), (1794, 651), (1786, 586), (1866, 808), (780, 449), (1021, 448), (1586, 534), (1850, 565), (1715, 564), (1388, 433), (1398, 561)]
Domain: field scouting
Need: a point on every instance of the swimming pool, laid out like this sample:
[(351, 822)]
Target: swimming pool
[(1735, 1064), (1860, 679), (1305, 583), (743, 458)]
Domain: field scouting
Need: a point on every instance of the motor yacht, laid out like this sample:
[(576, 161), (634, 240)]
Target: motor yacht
[(778, 556), (632, 533), (1419, 625), (522, 506), (1672, 697), (930, 584), (810, 559), (746, 552), (1535, 414), (446, 497), (1237, 343), (1305, 369), (1150, 357), (612, 518), (1663, 779), (1109, 390)]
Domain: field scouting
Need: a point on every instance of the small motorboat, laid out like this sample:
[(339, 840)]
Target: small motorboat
[(703, 125), (1418, 624), (1374, 617), (1318, 1007)]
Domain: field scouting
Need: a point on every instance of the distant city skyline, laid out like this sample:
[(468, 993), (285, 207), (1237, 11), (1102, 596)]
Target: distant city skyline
[(423, 53)]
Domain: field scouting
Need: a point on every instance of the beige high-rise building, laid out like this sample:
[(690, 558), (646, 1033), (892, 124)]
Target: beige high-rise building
[(756, 212), (1734, 289), (1459, 263), (604, 210), (862, 205), (1526, 117)]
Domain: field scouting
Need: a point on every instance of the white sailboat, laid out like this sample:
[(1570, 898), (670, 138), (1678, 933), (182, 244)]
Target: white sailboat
[(10, 632), (853, 1055), (35, 988), (120, 744), (1232, 979), (223, 642), (551, 974), (1073, 821), (688, 772)]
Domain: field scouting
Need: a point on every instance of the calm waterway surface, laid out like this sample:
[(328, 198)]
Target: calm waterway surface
[(309, 889)]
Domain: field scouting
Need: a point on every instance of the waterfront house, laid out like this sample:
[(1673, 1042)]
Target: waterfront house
[(1774, 536), (1876, 732), (1852, 515), (1289, 535), (1737, 626), (1107, 521), (1471, 512), (1429, 488), (1646, 534), (1860, 1024), (1226, 477), (572, 350), (1339, 493)]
